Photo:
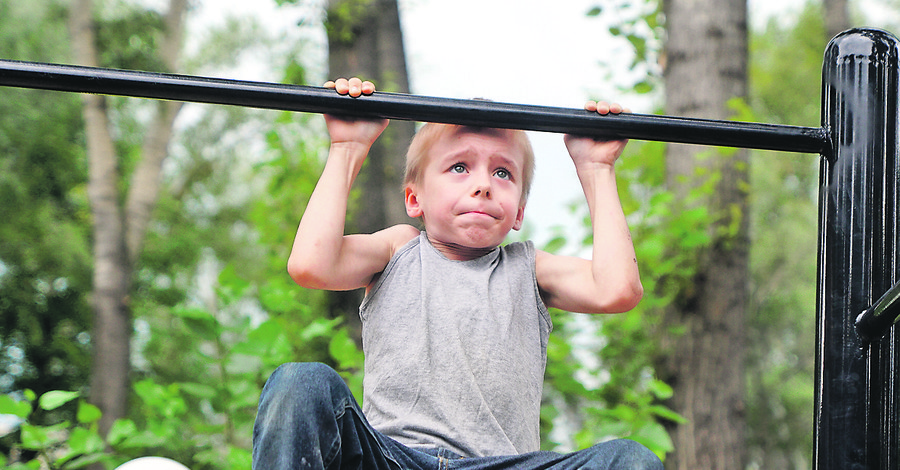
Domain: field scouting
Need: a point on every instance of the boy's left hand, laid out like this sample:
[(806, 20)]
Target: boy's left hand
[(587, 150)]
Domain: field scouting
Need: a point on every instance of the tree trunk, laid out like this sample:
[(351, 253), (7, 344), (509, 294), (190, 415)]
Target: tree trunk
[(118, 232), (706, 54), (112, 317), (365, 40), (837, 17)]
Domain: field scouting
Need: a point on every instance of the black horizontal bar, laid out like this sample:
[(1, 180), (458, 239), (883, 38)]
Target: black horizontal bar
[(80, 79), (880, 317)]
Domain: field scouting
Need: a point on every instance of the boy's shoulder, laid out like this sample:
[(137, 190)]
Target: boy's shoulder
[(399, 235)]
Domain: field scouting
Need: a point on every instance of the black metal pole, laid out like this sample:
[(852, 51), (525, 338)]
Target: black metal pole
[(411, 107), (857, 390)]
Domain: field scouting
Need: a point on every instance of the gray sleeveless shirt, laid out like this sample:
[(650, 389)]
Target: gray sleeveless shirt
[(455, 350)]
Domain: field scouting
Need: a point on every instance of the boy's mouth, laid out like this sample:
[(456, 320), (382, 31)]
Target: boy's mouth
[(481, 213)]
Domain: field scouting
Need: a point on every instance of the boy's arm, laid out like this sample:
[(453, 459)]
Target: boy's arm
[(322, 257), (609, 282)]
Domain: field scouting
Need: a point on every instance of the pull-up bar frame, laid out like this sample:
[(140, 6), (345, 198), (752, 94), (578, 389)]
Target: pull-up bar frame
[(857, 402)]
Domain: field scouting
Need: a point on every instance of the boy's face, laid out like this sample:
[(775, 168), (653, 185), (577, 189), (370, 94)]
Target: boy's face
[(470, 191)]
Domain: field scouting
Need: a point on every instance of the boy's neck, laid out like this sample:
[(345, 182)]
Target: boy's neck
[(456, 252)]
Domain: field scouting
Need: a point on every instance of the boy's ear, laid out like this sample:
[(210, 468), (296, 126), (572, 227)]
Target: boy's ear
[(413, 209), (520, 218)]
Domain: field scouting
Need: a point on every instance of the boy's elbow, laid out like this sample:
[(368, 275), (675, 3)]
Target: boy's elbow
[(303, 271), (626, 297), (636, 293)]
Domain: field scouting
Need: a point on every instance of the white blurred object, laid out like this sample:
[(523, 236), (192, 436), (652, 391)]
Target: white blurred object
[(151, 463)]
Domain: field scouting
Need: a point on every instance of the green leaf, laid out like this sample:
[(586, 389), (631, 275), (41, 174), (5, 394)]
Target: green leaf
[(555, 244), (82, 441), (11, 406), (86, 460), (266, 333), (643, 87), (231, 286), (661, 390), (655, 437), (319, 328), (121, 430), (56, 398), (666, 413), (194, 313), (198, 390), (345, 351), (239, 458), (142, 439), (41, 437), (200, 321), (88, 413)]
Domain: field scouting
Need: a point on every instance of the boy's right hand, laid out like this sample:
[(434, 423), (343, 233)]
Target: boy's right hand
[(352, 130)]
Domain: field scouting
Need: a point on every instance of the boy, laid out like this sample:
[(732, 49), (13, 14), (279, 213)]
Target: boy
[(455, 327)]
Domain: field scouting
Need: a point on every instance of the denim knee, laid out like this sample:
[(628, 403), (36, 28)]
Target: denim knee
[(630, 455), (300, 392), (312, 386)]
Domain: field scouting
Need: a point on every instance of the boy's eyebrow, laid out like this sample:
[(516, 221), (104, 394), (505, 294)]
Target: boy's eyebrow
[(465, 152)]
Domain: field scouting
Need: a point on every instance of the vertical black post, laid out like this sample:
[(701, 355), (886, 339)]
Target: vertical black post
[(856, 415)]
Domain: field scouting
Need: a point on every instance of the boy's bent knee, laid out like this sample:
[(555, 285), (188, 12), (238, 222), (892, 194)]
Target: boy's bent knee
[(299, 375), (297, 384), (630, 455)]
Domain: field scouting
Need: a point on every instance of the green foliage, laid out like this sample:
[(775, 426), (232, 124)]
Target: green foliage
[(205, 421), (781, 333), (789, 53), (641, 24), (61, 445), (600, 371), (129, 37), (782, 189), (345, 18), (45, 270)]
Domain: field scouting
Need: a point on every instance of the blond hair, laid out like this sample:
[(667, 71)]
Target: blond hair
[(430, 133)]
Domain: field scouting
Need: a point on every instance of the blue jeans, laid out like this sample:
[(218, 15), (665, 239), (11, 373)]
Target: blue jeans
[(309, 419)]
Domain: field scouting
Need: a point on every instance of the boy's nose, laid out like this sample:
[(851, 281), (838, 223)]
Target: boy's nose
[(482, 188)]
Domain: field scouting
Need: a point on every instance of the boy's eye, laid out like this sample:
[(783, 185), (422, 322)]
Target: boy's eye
[(502, 173), (458, 168)]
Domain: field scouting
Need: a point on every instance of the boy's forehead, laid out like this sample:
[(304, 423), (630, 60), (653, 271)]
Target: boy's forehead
[(462, 138)]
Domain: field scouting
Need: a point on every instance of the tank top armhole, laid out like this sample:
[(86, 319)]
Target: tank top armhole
[(373, 291), (542, 308)]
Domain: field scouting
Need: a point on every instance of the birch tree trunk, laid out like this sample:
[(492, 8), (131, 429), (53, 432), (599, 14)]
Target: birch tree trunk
[(118, 230), (706, 66)]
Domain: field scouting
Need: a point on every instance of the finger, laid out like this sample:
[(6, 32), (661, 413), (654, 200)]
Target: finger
[(590, 106), (368, 87), (603, 107), (355, 87), (329, 84), (616, 108), (341, 86)]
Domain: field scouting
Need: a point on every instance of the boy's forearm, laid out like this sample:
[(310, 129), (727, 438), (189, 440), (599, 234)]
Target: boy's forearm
[(613, 262)]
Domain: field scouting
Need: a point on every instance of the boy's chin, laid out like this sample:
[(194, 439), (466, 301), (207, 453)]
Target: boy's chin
[(470, 239), (476, 237)]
